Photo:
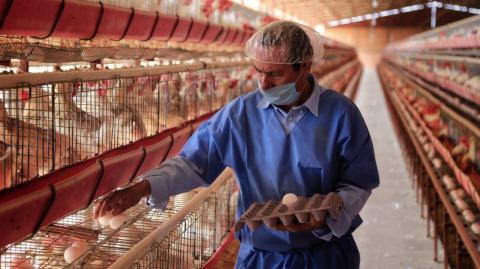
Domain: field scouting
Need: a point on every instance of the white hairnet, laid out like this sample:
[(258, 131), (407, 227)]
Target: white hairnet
[(285, 42)]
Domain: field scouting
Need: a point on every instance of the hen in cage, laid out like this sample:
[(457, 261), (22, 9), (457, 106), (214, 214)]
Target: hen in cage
[(71, 120), (204, 92), (140, 98), (106, 102), (38, 150), (221, 89), (170, 100), (127, 126), (192, 95), (37, 109), (8, 160), (92, 98), (64, 116), (13, 100)]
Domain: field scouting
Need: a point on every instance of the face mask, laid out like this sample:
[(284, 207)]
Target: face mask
[(285, 94)]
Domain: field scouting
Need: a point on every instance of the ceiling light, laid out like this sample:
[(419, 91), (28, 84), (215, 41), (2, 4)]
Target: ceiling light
[(333, 23), (411, 8), (357, 19), (434, 4), (474, 10), (456, 7), (320, 28)]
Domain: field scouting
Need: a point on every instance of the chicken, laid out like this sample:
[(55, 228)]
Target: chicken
[(93, 99), (139, 97), (205, 93), (126, 127), (38, 109), (170, 101), (14, 100), (193, 96), (461, 147), (7, 166), (409, 93), (473, 82), (38, 150), (72, 121)]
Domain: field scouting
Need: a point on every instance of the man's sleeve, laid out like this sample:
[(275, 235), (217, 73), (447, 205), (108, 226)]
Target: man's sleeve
[(197, 165), (357, 174)]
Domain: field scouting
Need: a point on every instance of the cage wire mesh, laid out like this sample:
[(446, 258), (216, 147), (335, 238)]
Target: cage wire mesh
[(196, 238), (48, 126), (189, 245), (53, 52), (50, 53)]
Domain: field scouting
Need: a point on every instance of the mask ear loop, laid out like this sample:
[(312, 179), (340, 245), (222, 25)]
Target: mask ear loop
[(304, 66)]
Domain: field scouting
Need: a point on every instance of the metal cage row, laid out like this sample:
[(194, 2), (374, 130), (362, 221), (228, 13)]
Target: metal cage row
[(189, 244), (46, 126)]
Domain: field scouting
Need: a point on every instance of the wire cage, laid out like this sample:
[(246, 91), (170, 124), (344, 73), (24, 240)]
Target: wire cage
[(51, 52), (198, 235), (189, 245), (47, 126), (438, 202)]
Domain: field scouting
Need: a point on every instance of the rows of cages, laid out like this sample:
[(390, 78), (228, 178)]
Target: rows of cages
[(50, 125), (459, 76), (333, 59), (59, 53), (80, 241), (462, 34), (440, 150), (344, 79), (47, 126)]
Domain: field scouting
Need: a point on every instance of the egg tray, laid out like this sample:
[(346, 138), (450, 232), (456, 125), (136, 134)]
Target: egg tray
[(271, 212)]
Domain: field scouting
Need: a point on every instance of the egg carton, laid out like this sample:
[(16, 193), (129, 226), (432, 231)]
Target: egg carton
[(271, 212)]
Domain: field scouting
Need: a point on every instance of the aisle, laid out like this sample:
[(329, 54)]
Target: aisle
[(393, 235)]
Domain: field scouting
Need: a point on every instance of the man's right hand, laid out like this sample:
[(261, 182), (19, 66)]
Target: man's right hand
[(121, 200)]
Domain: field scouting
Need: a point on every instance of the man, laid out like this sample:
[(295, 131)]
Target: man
[(289, 136)]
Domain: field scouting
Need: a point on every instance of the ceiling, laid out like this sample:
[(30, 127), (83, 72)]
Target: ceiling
[(316, 12)]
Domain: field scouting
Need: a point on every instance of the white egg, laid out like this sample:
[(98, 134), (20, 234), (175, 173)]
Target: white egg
[(105, 219), (448, 181), (457, 193), (289, 199), (72, 253), (81, 245), (437, 163), (475, 227), (117, 221), (426, 147), (461, 204), (468, 216)]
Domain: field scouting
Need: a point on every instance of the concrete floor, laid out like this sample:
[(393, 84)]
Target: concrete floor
[(393, 235)]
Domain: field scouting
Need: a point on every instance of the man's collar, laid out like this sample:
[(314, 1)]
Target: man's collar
[(311, 103)]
